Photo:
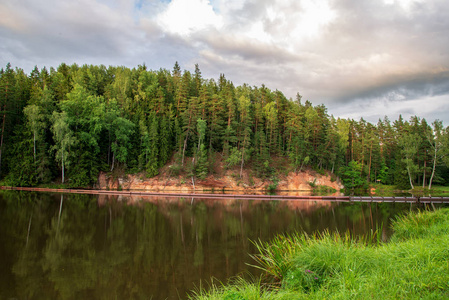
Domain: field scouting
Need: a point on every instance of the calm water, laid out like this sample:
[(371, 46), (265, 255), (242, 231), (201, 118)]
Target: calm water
[(55, 246)]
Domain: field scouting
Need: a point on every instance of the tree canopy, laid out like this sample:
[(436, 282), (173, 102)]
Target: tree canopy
[(68, 124)]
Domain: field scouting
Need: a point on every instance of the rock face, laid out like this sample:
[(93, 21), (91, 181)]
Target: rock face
[(230, 181), (305, 180)]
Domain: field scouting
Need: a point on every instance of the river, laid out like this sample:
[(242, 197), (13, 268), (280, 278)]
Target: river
[(68, 246)]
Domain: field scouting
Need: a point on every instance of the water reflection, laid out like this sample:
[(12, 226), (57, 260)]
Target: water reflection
[(103, 247)]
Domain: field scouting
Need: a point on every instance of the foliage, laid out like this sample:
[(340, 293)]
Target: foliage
[(68, 124), (352, 176), (323, 189), (201, 167), (273, 185), (234, 157), (410, 144)]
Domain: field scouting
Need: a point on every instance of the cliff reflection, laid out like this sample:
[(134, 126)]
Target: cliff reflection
[(103, 247)]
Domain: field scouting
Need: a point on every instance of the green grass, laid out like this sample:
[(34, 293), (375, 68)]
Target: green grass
[(54, 185), (414, 264), (384, 190), (323, 190), (391, 190), (441, 188), (238, 289)]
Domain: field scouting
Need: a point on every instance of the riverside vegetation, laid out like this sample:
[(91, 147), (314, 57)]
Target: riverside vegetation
[(68, 124), (414, 264)]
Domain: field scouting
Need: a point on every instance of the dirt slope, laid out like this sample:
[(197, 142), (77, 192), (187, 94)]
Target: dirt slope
[(228, 181)]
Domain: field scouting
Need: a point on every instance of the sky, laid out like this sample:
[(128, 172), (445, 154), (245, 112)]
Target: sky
[(360, 58)]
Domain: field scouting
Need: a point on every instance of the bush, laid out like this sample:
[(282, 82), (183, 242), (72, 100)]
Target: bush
[(273, 185)]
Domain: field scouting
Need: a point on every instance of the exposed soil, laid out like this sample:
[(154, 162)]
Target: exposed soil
[(221, 181)]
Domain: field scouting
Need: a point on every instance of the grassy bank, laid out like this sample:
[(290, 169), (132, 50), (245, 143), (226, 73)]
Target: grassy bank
[(391, 190), (414, 264)]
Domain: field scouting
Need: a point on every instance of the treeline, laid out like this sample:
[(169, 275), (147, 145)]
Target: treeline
[(70, 123)]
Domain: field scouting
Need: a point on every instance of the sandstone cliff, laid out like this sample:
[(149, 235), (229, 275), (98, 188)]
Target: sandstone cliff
[(229, 181)]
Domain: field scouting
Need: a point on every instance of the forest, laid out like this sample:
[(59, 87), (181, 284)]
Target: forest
[(68, 124)]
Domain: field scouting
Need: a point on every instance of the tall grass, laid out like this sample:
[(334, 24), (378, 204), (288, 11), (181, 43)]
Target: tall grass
[(237, 289), (421, 224), (276, 257), (413, 265)]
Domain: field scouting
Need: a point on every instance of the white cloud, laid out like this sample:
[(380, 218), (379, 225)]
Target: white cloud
[(407, 5), (257, 32), (186, 16), (314, 16)]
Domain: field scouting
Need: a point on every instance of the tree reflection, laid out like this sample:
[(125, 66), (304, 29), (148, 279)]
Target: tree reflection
[(87, 247)]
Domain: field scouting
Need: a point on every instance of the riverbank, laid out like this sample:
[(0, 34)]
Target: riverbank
[(391, 190), (223, 181), (414, 264), (281, 196)]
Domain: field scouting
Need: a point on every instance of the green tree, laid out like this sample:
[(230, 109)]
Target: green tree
[(409, 144), (35, 122), (313, 126), (166, 139), (85, 116), (352, 176), (245, 130), (152, 166), (216, 122), (437, 142), (271, 116), (201, 166), (121, 130), (64, 139), (7, 98), (227, 92), (298, 137), (262, 157)]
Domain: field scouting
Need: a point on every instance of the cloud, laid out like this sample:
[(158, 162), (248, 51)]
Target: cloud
[(359, 55), (186, 16), (427, 107), (76, 30)]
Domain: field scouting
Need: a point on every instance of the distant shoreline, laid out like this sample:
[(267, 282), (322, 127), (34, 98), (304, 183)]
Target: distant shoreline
[(367, 199), (194, 195)]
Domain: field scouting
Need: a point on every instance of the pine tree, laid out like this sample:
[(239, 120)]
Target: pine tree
[(152, 166), (216, 122), (201, 166), (7, 100), (166, 133), (271, 114), (245, 130), (144, 144), (227, 94), (262, 158)]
